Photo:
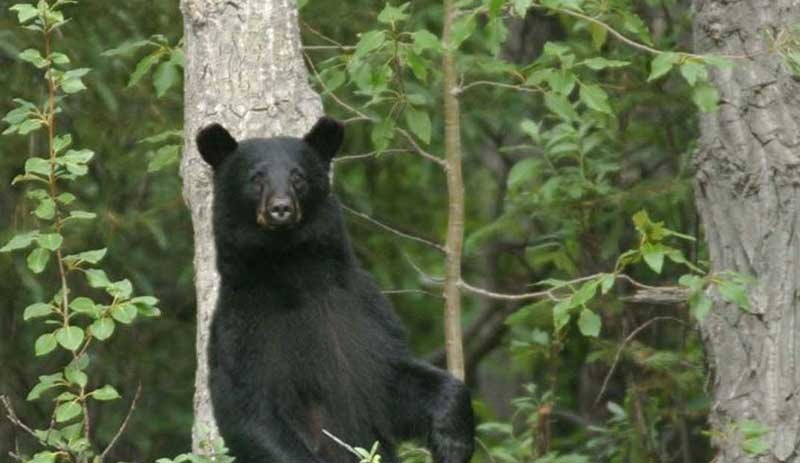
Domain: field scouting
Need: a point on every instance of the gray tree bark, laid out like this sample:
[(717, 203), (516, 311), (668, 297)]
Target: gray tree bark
[(244, 69), (748, 195)]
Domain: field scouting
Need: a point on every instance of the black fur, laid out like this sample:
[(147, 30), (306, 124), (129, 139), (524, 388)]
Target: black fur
[(302, 339)]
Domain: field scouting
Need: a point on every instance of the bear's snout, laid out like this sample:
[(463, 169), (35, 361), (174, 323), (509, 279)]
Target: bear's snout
[(278, 211)]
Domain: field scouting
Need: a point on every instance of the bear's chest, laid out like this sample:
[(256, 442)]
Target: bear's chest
[(310, 343)]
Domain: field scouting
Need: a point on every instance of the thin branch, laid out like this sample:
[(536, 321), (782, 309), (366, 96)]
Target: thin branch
[(361, 116), (397, 232), (622, 38), (124, 422), (410, 291), (12, 417), (519, 88), (371, 154), (622, 347), (421, 151), (503, 296), (548, 293), (327, 47)]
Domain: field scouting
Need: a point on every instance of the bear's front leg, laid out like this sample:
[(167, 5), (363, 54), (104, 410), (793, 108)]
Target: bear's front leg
[(261, 435), (429, 403)]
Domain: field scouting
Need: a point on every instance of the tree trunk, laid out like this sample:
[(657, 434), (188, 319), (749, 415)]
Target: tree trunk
[(748, 197), (244, 69)]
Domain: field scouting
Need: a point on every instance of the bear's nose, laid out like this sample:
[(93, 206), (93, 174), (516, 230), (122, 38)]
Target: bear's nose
[(280, 209)]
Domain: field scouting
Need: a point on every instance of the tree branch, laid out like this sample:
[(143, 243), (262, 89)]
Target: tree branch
[(622, 347), (124, 423), (393, 230)]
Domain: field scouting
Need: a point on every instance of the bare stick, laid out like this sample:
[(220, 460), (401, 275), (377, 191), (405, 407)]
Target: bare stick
[(12, 417), (397, 232), (454, 345), (622, 347), (519, 88), (124, 423)]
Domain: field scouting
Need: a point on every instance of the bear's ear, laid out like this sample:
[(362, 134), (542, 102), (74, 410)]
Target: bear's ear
[(326, 137), (215, 144)]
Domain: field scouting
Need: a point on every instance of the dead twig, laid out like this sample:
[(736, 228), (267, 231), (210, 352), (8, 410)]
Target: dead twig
[(124, 423), (628, 339), (393, 230)]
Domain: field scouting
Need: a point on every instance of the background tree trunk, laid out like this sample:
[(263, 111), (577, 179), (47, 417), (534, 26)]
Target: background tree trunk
[(748, 197), (244, 69)]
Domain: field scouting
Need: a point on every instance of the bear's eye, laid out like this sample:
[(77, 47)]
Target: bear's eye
[(298, 180), (257, 177)]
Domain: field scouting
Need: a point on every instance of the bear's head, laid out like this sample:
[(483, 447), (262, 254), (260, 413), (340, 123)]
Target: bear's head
[(271, 183)]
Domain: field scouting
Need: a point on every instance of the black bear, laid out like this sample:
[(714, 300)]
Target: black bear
[(302, 339)]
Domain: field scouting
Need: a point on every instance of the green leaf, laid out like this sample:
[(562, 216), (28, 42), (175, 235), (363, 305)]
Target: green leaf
[(102, 328), (126, 47), (165, 76), (120, 289), (699, 305), (531, 129), (46, 209), (599, 63), (37, 310), (39, 388), (82, 215), (654, 256), (67, 411), (82, 304), (105, 393), (332, 78), (595, 98), (561, 315), (752, 428), (419, 122), (34, 57), (706, 98), (425, 40), (463, 27), (21, 241), (43, 457), (70, 337), (124, 313), (662, 64), (25, 12), (589, 323), (77, 156), (583, 295), (607, 282), (28, 126), (97, 278), (521, 7), (90, 257), (382, 134), (143, 67), (734, 292), (50, 241), (37, 166), (75, 376), (164, 156), (37, 260), (370, 41), (560, 106), (72, 85), (44, 344), (599, 35), (61, 142), (392, 14), (755, 446), (59, 58), (694, 72)]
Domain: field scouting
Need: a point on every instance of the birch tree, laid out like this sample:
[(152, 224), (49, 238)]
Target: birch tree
[(244, 69), (748, 197)]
